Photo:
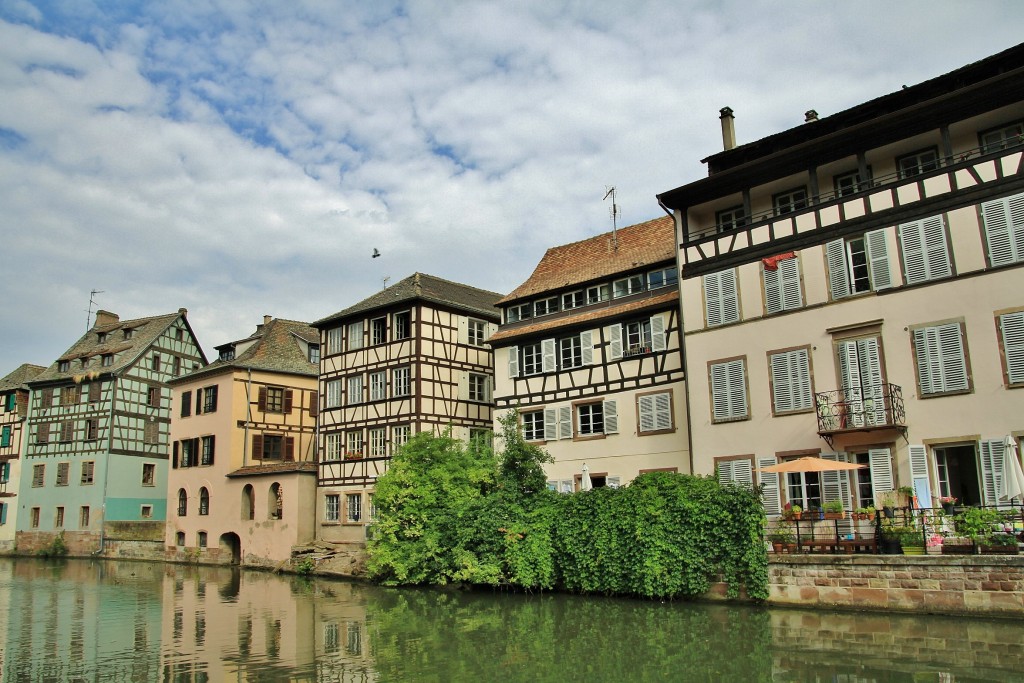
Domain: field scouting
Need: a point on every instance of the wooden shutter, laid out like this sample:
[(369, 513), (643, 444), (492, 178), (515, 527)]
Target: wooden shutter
[(67, 429), (289, 448), (257, 446), (513, 361), (565, 422), (645, 406), (199, 401), (213, 448), (261, 399), (174, 456), (940, 358), (728, 390), (925, 254), (550, 424), (791, 381), (880, 460), (658, 342), (835, 484), (919, 475), (615, 342), (611, 417), (288, 398), (94, 392), (43, 433), (314, 403), (1004, 229), (877, 249), (990, 455), (1011, 326), (186, 403), (721, 298), (586, 348), (548, 355), (46, 398), (838, 275)]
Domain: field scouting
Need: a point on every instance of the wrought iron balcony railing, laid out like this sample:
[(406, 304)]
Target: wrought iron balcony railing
[(868, 407)]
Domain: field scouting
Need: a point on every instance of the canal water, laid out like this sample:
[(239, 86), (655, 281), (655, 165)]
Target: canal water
[(103, 620)]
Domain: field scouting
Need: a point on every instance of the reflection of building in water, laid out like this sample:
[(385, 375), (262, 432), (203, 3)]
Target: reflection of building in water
[(85, 614), (341, 635)]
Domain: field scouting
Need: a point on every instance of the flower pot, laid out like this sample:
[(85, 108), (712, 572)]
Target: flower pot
[(870, 516), (957, 549), (777, 547), (835, 515), (947, 508), (913, 550), (889, 512), (891, 546), (998, 549)]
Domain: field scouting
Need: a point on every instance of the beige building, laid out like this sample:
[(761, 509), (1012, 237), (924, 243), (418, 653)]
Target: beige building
[(13, 412), (410, 358), (242, 482), (854, 287), (589, 353)]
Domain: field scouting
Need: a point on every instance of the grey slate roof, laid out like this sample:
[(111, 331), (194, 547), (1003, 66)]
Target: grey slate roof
[(144, 332), (274, 349), (19, 378), (423, 287)]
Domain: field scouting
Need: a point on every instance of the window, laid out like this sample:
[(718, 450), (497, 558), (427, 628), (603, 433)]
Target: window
[(332, 446), (637, 337), (334, 393), (533, 425), (5, 436), (188, 452), (275, 400), (333, 340), (1000, 138), (248, 503), (63, 474), (790, 381), (545, 306), (314, 354), (516, 313), (378, 442), (782, 289), (662, 278), (332, 507), (858, 264), (401, 325), (201, 540), (862, 479), (655, 412), (730, 219), (182, 503), (354, 443), (5, 472), (917, 163), (186, 403), (38, 475), (43, 433), (276, 501), (478, 387), (1011, 328), (63, 366), (728, 390), (273, 446), (92, 429), (209, 398), (151, 432), (1004, 229), (128, 333), (589, 419), (572, 299), (153, 397), (88, 468), (148, 474), (69, 395), (353, 507), (804, 489), (532, 362), (58, 518), (789, 201), (721, 298), (378, 331), (400, 382), (598, 293), (941, 359), (206, 454), (176, 366), (850, 183), (101, 337), (355, 335), (12, 402), (476, 332), (227, 353), (156, 362), (480, 439), (863, 385), (627, 286), (35, 518), (400, 435), (925, 254), (83, 517), (67, 431), (378, 385), (93, 392), (204, 501), (570, 352), (179, 539), (355, 389)]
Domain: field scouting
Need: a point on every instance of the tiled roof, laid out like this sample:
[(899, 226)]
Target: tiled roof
[(144, 332), (423, 287), (639, 245), (276, 468), (614, 310), (274, 349), (18, 378)]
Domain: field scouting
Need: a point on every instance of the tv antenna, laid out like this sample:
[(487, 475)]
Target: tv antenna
[(385, 280), (614, 211), (92, 302)]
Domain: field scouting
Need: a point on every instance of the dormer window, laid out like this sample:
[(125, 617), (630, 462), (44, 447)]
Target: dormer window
[(662, 278), (227, 353), (314, 353), (108, 360), (572, 299), (598, 293), (128, 333), (101, 337), (517, 313), (63, 366), (545, 306), (627, 286)]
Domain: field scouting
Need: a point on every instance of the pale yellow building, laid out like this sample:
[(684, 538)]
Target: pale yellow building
[(589, 353), (14, 397), (854, 287), (242, 483)]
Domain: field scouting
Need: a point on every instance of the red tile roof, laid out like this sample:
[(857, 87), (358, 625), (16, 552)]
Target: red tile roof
[(598, 257)]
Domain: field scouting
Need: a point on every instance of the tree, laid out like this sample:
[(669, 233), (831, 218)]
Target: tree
[(521, 470)]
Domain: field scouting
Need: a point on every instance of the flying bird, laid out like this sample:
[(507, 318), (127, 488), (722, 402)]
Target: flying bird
[(375, 253)]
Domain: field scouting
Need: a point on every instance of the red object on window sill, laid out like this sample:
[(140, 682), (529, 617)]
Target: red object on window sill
[(772, 262)]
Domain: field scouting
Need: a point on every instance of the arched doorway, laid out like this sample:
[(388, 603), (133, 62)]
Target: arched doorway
[(231, 545)]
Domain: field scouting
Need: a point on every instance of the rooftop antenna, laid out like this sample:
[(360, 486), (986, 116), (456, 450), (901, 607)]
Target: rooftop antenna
[(610, 191), (385, 279), (92, 302)]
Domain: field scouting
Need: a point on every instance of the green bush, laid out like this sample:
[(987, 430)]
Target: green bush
[(57, 547)]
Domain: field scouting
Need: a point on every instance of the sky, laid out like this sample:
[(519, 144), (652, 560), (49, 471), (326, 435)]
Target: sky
[(239, 158)]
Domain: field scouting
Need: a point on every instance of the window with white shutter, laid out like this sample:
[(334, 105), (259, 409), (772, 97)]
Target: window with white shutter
[(858, 264), (1004, 229), (721, 298), (925, 250), (941, 359), (990, 456), (791, 381), (782, 290), (655, 412), (728, 390), (771, 493), (1011, 328), (736, 471)]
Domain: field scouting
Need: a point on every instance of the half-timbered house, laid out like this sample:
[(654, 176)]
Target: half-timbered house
[(13, 411), (95, 466), (410, 358), (589, 353), (854, 287), (242, 483)]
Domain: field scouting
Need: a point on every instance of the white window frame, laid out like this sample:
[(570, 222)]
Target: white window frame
[(858, 264), (355, 336), (332, 507), (378, 442), (479, 387), (598, 293), (916, 163), (533, 425), (333, 446), (334, 393), (790, 201), (476, 332), (545, 306), (791, 381), (1001, 137), (574, 299), (353, 508), (940, 352), (354, 389), (728, 382), (627, 285), (730, 219), (401, 381)]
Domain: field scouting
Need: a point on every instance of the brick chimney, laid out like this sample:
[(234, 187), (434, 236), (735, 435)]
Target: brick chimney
[(728, 128), (104, 318)]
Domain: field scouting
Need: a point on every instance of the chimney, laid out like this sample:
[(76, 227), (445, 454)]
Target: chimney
[(728, 128), (104, 318), (810, 115), (267, 319), (183, 312)]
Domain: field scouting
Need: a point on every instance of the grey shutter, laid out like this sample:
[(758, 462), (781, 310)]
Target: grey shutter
[(663, 411), (721, 298), (925, 254), (513, 361), (941, 364), (611, 417), (791, 381), (645, 406), (838, 275), (657, 333), (835, 484), (792, 295), (565, 422), (615, 342), (919, 466), (770, 493), (772, 291), (1011, 326), (872, 385), (990, 454), (586, 348), (550, 424), (548, 355), (728, 390), (849, 372), (739, 472), (1004, 229), (880, 460), (878, 259)]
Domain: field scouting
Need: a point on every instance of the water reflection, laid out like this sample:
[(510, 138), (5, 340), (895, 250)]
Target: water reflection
[(131, 621)]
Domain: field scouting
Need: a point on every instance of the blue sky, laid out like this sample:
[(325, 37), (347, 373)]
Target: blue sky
[(245, 158)]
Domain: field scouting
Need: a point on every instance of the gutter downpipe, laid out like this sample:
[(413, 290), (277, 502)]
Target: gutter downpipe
[(106, 466), (677, 222)]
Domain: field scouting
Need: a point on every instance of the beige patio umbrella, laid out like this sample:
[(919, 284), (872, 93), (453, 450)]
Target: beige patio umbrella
[(585, 483), (811, 464), (1013, 476)]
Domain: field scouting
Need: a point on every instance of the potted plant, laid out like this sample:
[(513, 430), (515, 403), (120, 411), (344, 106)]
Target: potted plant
[(957, 545), (870, 513), (791, 511), (947, 503), (976, 523), (908, 495), (781, 536), (887, 501), (998, 543), (912, 541), (891, 539), (834, 510)]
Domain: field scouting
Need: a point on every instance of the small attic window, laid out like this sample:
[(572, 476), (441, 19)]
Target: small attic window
[(314, 353), (108, 360), (63, 366), (227, 353), (128, 333), (101, 337)]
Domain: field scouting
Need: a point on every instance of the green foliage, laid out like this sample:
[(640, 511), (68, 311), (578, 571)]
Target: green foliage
[(976, 523), (833, 506), (306, 567), (521, 463), (57, 547)]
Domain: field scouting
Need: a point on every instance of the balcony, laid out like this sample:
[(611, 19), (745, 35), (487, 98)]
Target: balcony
[(859, 410)]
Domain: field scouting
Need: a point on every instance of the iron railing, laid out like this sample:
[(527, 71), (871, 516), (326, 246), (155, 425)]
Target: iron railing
[(863, 408)]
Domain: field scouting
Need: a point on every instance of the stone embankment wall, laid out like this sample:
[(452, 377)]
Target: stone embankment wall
[(990, 585)]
